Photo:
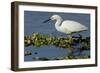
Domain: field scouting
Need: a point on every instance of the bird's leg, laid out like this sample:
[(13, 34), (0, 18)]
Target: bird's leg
[(70, 49), (70, 38)]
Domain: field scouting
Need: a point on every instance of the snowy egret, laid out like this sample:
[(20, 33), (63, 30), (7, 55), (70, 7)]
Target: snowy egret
[(67, 26)]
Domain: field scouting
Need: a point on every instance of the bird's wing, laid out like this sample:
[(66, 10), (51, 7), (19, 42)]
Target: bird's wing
[(73, 26)]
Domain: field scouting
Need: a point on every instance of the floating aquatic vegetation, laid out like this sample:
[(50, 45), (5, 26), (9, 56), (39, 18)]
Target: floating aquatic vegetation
[(27, 53), (27, 40), (38, 40)]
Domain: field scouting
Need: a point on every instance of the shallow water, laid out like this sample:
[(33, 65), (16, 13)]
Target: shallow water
[(49, 52)]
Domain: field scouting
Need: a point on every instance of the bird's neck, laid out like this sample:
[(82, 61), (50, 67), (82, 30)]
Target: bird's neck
[(58, 23)]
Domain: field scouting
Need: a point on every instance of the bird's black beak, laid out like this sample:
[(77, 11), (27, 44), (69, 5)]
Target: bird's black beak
[(46, 20)]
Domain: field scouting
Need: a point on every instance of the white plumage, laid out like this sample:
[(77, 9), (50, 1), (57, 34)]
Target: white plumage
[(67, 26)]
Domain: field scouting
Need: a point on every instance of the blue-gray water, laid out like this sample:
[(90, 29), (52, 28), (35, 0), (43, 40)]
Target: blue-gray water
[(33, 22)]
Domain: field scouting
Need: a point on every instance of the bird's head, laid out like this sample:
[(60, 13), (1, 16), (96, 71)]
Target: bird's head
[(53, 17)]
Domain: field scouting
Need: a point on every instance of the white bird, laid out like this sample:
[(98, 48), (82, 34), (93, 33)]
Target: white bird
[(67, 26)]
